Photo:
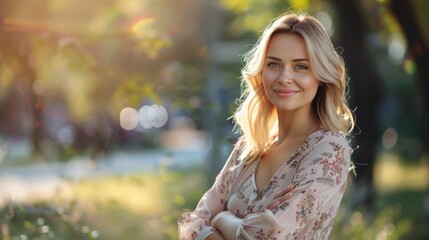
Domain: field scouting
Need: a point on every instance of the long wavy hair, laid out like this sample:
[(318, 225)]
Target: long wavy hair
[(256, 117)]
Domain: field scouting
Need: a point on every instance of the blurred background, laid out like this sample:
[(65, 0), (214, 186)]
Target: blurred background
[(114, 114)]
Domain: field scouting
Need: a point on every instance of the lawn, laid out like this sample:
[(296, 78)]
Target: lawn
[(129, 206), (146, 206)]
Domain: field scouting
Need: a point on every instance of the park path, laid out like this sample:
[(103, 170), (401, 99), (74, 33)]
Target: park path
[(41, 181)]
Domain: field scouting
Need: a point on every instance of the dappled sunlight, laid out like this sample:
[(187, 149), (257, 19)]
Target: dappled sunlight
[(113, 111), (326, 21), (153, 116), (389, 138), (15, 189), (397, 49), (356, 225), (142, 25), (151, 41), (132, 193), (392, 174), (128, 118), (409, 66), (182, 135), (127, 206)]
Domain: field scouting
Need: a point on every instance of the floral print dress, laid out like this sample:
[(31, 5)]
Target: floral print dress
[(319, 170)]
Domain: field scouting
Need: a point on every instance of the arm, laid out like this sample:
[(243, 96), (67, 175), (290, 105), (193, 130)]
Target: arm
[(320, 181), (215, 236), (227, 223), (197, 224)]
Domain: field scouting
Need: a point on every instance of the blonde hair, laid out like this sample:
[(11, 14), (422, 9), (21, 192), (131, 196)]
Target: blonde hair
[(256, 116)]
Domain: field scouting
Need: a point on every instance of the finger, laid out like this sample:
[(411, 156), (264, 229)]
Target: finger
[(284, 192), (280, 194), (273, 205), (291, 186), (284, 198), (279, 201)]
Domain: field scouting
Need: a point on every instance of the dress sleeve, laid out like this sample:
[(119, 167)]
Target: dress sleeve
[(196, 224), (320, 180)]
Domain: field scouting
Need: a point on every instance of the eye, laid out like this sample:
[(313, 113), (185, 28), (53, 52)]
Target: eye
[(273, 65), (301, 67)]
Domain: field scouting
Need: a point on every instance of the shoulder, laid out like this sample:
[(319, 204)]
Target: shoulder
[(324, 141), (327, 147), (323, 137), (234, 161)]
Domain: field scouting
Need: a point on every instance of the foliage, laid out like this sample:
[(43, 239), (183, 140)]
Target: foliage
[(357, 225), (73, 61), (77, 64), (147, 206), (253, 15), (43, 221), (86, 60), (129, 206)]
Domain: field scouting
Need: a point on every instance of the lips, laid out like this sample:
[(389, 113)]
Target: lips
[(285, 92)]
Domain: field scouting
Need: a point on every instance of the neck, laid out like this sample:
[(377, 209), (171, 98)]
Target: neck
[(297, 124)]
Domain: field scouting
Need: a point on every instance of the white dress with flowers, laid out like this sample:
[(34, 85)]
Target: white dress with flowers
[(319, 170)]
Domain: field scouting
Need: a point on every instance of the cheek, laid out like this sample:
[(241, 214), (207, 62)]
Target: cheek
[(310, 83), (268, 77)]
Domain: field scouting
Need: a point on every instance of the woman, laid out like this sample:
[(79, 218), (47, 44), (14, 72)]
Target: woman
[(288, 172)]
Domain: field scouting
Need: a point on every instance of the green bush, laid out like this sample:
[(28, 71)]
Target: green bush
[(40, 221), (93, 213), (359, 225)]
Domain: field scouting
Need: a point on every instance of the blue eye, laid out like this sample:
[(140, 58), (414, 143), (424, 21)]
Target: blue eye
[(273, 65), (301, 67)]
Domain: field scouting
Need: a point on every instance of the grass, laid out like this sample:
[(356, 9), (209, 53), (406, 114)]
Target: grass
[(404, 186), (137, 206), (387, 224), (147, 205), (410, 206)]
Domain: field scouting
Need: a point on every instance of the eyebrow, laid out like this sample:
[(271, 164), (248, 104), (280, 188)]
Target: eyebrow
[(294, 60)]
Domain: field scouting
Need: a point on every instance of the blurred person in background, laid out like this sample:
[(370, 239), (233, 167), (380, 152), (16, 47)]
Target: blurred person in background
[(288, 171)]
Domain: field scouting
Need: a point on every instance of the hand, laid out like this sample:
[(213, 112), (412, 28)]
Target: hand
[(215, 236), (227, 224), (216, 220), (281, 197)]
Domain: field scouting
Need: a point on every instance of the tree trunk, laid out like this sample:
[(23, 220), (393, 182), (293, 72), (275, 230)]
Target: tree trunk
[(16, 45), (418, 47), (417, 44), (365, 89)]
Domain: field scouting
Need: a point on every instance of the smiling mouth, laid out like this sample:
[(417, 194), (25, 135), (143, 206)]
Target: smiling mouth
[(285, 93)]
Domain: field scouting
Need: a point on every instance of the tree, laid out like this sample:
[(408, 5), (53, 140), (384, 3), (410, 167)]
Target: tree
[(110, 55), (366, 91), (16, 50), (418, 45)]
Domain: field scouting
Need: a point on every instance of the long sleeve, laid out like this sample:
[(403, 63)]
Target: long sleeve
[(196, 224), (321, 179)]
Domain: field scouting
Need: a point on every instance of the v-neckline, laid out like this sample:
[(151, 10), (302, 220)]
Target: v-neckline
[(299, 149)]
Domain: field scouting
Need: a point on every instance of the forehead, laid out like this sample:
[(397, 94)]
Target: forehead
[(287, 45)]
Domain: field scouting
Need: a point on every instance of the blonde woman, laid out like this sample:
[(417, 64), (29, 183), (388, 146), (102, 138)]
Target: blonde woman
[(288, 172)]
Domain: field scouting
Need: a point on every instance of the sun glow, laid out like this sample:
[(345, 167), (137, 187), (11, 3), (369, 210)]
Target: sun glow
[(141, 25)]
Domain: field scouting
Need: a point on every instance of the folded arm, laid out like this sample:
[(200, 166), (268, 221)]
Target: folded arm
[(310, 208), (197, 224)]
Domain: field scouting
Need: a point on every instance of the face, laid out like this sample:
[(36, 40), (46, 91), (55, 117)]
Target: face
[(288, 80)]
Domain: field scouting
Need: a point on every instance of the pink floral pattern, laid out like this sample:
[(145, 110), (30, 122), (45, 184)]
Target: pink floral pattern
[(319, 169)]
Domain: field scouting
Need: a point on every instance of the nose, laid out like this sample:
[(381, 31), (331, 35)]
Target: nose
[(286, 76)]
